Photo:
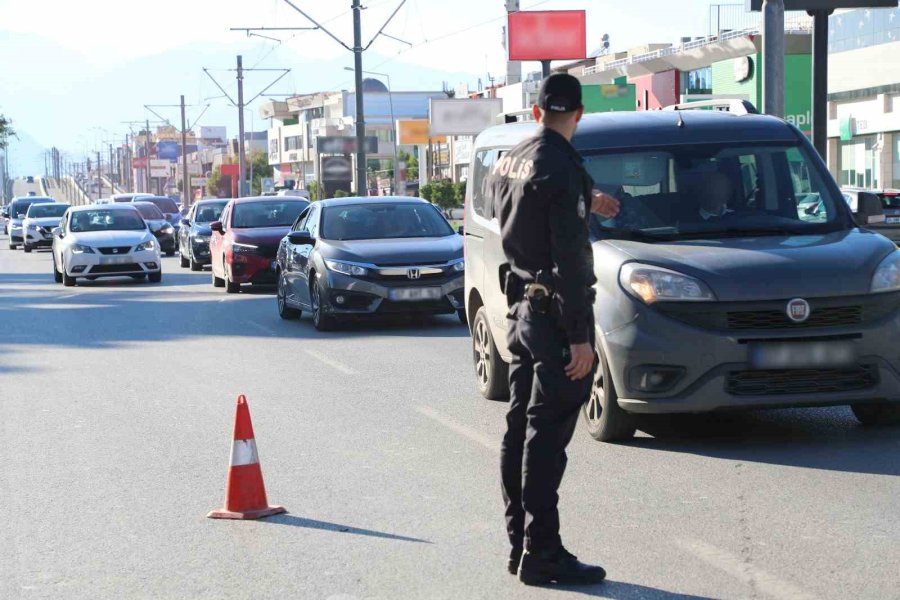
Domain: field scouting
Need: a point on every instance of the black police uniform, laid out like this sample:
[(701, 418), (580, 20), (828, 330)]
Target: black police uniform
[(542, 195)]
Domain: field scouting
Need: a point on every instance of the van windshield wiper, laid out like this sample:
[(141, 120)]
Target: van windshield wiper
[(740, 232), (635, 235)]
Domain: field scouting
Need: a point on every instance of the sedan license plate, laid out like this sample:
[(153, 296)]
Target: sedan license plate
[(802, 355), (115, 260), (415, 294), (892, 220)]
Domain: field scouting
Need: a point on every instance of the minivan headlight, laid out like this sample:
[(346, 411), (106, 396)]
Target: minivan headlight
[(148, 245), (887, 275), (655, 284), (346, 268)]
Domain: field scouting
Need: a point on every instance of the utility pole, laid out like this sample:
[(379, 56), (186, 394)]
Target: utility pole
[(185, 179), (242, 164), (362, 184), (112, 182), (773, 58), (99, 181), (147, 155), (820, 81)]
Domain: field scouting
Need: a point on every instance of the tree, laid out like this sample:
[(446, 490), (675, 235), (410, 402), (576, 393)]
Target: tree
[(212, 183), (6, 132), (313, 188), (412, 165), (259, 163), (443, 193)]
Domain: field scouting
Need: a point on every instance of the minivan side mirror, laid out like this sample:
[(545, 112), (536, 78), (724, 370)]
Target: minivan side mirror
[(301, 238), (217, 226), (57, 232), (186, 222), (870, 209)]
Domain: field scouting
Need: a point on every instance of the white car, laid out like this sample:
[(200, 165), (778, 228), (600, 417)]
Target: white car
[(104, 241), (39, 222)]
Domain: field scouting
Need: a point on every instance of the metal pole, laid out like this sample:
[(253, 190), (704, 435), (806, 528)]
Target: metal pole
[(362, 184), (820, 82), (395, 185), (147, 156), (242, 165), (99, 181), (773, 58), (185, 179), (112, 182), (545, 69)]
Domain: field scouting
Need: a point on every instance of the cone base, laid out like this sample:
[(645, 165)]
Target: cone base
[(248, 514)]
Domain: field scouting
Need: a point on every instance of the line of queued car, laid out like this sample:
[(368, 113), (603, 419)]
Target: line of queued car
[(336, 259)]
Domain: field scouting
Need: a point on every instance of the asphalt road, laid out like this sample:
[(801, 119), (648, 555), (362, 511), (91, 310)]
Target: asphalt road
[(117, 405)]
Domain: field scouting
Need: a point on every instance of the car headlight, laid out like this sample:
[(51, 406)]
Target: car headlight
[(887, 275), (79, 249), (201, 239), (34, 227), (167, 229), (246, 248), (654, 284), (148, 245), (459, 266), (346, 268)]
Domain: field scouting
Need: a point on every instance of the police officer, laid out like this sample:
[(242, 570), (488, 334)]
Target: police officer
[(543, 197)]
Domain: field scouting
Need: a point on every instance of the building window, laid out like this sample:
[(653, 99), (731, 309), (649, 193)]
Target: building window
[(863, 28), (857, 164), (699, 81), (293, 143), (896, 160)]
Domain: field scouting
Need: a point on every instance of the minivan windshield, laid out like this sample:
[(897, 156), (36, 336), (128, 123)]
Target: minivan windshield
[(166, 205), (702, 191), (20, 207), (371, 221), (43, 211), (149, 211)]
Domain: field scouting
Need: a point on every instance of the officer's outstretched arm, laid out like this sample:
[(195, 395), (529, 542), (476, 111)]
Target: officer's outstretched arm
[(571, 267)]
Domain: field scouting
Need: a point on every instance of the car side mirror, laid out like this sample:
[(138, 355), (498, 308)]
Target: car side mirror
[(21, 216), (461, 230), (301, 238), (217, 226), (871, 211), (57, 232), (186, 222)]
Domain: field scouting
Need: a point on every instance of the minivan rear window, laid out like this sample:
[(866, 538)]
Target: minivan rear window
[(713, 190)]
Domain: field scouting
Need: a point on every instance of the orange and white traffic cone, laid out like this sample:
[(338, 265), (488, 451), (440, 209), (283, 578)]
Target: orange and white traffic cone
[(245, 493)]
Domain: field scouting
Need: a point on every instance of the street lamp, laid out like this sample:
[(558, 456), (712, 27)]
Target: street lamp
[(393, 121)]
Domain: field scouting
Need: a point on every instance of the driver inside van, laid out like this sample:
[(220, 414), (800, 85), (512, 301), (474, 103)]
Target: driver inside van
[(714, 191)]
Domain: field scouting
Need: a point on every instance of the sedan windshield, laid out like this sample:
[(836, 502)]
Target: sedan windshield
[(166, 205), (41, 211), (207, 213), (149, 211), (715, 191), (106, 220), (267, 214), (371, 221)]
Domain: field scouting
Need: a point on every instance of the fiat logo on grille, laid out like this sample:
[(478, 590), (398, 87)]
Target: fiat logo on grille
[(413, 273), (115, 251), (798, 310)]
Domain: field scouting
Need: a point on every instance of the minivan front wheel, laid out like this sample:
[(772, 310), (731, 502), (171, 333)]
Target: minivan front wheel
[(491, 371), (606, 421), (877, 414)]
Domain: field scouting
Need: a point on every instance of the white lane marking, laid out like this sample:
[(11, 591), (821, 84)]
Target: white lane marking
[(330, 362), (67, 296), (763, 581), (243, 452), (463, 430), (262, 327)]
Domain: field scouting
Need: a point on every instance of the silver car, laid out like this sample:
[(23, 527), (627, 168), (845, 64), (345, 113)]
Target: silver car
[(734, 277)]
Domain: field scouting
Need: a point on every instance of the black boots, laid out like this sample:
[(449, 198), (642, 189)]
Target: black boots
[(558, 566)]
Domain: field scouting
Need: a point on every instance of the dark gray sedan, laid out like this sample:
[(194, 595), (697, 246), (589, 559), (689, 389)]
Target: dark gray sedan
[(355, 256)]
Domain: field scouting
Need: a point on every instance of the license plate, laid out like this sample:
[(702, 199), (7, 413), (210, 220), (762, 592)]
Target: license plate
[(802, 355), (414, 294), (115, 260), (892, 220)]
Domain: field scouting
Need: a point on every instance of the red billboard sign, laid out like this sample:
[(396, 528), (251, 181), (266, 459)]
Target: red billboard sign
[(139, 162), (548, 35)]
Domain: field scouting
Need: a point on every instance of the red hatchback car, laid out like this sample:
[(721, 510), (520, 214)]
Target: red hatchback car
[(244, 242)]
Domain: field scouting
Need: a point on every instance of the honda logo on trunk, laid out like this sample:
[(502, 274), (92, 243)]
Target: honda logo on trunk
[(413, 273)]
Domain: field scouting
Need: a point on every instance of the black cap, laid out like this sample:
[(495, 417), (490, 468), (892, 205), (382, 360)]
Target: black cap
[(560, 93)]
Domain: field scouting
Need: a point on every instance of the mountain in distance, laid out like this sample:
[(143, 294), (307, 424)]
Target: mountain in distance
[(60, 99)]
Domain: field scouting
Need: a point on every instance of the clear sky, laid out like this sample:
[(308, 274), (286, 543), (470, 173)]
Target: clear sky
[(53, 51)]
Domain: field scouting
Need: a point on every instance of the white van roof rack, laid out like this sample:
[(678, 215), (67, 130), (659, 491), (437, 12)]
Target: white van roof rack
[(736, 107), (516, 116)]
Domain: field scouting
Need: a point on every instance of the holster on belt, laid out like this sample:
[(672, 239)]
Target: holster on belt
[(537, 292)]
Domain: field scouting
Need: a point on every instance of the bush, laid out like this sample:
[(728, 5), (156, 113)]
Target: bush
[(443, 193), (341, 194)]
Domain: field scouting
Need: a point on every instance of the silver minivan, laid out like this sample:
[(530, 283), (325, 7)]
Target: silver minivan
[(735, 276)]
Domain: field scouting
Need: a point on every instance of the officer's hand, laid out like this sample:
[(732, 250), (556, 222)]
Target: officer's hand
[(604, 205), (582, 361)]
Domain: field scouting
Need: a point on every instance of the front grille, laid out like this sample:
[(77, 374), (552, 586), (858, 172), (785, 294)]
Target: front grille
[(801, 381), (47, 230), (771, 315), (115, 250), (270, 251), (426, 306), (836, 316), (126, 268)]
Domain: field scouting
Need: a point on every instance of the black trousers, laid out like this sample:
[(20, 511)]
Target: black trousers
[(543, 412)]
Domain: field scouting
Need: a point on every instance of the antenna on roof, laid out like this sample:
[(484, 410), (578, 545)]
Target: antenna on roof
[(680, 119)]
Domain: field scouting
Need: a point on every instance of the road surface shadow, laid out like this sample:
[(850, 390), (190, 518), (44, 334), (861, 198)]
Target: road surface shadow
[(816, 438), (620, 590), (295, 521)]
